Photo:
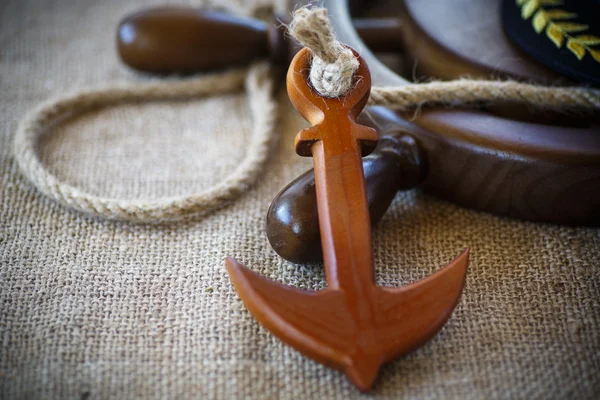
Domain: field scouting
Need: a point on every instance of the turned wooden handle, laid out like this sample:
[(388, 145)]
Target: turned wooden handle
[(184, 39), (292, 220), (181, 39)]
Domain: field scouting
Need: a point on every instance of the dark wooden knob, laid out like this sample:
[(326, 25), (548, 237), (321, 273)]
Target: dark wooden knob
[(184, 39), (292, 219)]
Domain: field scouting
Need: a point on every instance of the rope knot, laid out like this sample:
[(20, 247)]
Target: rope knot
[(333, 64)]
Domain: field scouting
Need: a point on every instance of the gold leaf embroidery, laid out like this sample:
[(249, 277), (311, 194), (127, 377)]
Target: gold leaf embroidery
[(595, 54), (590, 40), (529, 8), (555, 34), (576, 48), (541, 2), (570, 27), (540, 19), (557, 13)]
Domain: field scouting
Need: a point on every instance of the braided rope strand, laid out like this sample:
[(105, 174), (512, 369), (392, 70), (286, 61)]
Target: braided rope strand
[(259, 86), (463, 92), (334, 65)]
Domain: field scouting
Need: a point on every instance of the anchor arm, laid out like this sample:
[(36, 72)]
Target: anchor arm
[(322, 326)]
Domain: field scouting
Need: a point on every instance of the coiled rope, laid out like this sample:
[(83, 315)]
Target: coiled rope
[(259, 87)]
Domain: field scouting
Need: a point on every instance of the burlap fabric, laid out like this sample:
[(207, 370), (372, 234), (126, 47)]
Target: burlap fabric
[(98, 309)]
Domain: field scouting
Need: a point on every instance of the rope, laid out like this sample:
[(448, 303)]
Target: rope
[(259, 87), (333, 64), (333, 67), (465, 91), (332, 74)]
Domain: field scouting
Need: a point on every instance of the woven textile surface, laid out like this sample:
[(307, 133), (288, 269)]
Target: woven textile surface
[(96, 309)]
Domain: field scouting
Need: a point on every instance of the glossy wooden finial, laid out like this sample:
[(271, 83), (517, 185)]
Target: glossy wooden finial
[(352, 325), (184, 39), (292, 224)]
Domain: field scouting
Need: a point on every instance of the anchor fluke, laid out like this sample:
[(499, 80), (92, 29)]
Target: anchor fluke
[(323, 324)]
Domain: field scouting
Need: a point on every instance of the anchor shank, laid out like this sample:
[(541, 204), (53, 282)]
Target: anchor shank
[(343, 209)]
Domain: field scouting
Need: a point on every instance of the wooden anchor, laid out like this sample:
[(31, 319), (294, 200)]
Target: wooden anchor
[(352, 325)]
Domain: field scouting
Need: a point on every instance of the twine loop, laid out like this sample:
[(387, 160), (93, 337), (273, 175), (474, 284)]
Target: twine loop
[(333, 64)]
